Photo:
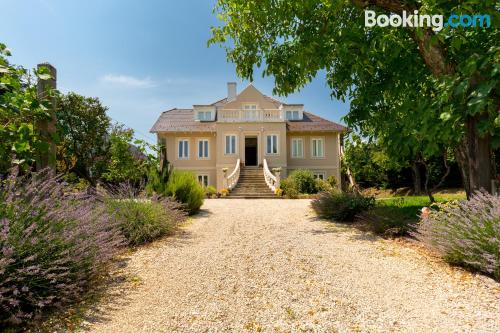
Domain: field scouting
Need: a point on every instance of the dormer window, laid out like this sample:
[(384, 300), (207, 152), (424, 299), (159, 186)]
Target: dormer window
[(204, 115), (292, 115)]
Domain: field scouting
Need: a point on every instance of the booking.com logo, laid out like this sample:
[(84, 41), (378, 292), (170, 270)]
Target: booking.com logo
[(436, 22)]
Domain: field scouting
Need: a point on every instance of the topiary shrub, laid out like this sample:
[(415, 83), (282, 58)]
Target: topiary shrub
[(54, 243), (466, 233), (341, 206), (184, 187)]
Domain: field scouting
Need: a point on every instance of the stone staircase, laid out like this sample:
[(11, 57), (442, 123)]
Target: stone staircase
[(251, 185)]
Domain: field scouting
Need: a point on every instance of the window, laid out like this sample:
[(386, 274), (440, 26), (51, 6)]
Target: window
[(230, 147), (203, 180), (319, 175), (250, 111), (183, 149), (204, 115), (292, 115), (203, 148), (317, 149), (297, 148), (250, 107), (272, 144)]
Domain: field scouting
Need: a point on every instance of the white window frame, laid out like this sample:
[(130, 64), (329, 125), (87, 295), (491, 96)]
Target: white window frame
[(316, 175), (207, 115), (235, 144), (249, 106), (199, 151), (277, 144), (291, 147), (322, 139), (184, 155), (202, 177), (292, 113)]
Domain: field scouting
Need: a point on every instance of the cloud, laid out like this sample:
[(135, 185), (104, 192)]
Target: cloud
[(128, 81)]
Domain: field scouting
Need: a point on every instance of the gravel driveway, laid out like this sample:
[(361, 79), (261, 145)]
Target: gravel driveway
[(271, 266)]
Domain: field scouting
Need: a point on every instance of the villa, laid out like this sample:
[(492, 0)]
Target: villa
[(249, 141)]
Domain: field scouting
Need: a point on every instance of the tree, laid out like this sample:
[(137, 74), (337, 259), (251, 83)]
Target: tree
[(440, 88), (20, 109), (82, 126), (126, 163)]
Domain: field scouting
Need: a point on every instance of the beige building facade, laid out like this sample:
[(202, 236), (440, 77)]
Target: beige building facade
[(251, 128)]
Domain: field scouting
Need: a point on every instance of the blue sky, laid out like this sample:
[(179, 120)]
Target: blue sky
[(138, 57)]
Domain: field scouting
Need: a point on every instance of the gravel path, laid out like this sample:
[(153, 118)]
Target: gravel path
[(271, 266)]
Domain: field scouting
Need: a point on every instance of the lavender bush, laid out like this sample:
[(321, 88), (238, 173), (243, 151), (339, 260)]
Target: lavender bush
[(466, 233), (53, 243)]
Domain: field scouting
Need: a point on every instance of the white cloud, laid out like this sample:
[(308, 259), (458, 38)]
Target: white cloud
[(128, 81)]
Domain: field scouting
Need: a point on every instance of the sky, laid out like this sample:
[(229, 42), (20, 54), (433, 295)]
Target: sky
[(138, 57)]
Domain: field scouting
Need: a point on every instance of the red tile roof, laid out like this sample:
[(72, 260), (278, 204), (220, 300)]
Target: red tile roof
[(182, 120), (312, 122)]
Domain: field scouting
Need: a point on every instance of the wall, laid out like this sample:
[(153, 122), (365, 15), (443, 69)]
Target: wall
[(194, 164), (330, 164)]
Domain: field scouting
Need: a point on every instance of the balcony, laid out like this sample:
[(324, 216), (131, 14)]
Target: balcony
[(239, 115)]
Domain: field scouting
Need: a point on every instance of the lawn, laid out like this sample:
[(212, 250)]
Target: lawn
[(396, 215)]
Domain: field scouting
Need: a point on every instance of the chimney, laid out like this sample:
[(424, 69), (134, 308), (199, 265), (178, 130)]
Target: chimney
[(231, 91)]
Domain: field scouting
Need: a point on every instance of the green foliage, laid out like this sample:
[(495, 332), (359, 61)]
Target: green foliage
[(289, 188), (125, 162), (415, 90), (210, 191), (332, 181), (82, 127), (184, 187), (142, 220), (19, 111), (299, 182), (323, 185), (341, 206)]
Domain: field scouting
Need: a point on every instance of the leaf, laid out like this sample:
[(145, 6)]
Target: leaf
[(445, 116)]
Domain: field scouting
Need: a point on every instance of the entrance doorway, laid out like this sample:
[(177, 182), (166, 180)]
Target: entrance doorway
[(251, 151)]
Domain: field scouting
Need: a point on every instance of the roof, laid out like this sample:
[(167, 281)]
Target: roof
[(181, 120), (312, 122)]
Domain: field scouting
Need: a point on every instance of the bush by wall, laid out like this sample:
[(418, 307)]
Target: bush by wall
[(53, 244), (184, 187), (299, 182), (341, 206), (466, 233)]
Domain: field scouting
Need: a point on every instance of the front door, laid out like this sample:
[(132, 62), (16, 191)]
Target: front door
[(251, 151)]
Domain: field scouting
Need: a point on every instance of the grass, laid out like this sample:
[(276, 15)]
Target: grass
[(396, 215)]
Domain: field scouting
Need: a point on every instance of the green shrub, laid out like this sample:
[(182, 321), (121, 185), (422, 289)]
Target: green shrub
[(143, 220), (289, 188), (466, 233), (210, 191), (323, 185), (299, 182), (332, 181), (184, 187), (341, 206), (304, 181)]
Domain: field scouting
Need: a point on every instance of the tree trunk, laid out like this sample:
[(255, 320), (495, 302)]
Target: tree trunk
[(417, 178), (478, 156), (463, 166)]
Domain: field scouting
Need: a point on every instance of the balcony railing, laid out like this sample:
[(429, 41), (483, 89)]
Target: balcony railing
[(238, 115)]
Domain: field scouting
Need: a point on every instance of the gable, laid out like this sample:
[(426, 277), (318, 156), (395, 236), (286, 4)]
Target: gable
[(251, 95)]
